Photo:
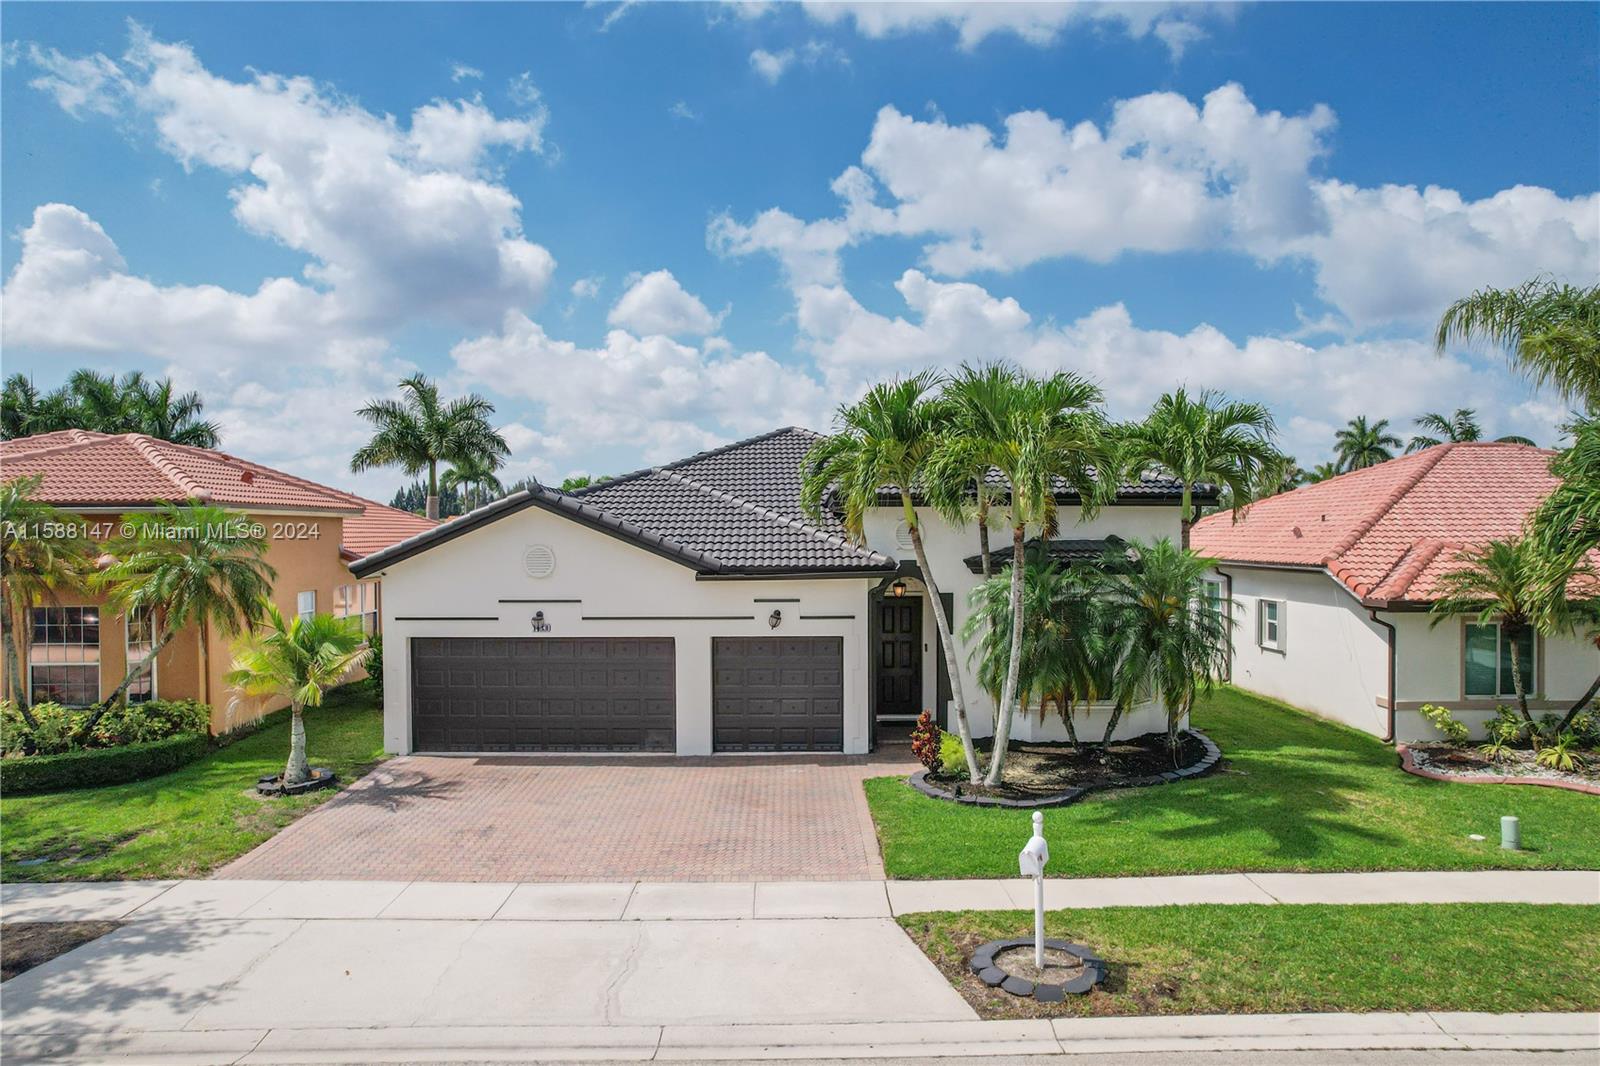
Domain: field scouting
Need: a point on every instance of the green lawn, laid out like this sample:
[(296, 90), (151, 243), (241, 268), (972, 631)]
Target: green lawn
[(1294, 793), (1218, 959), (186, 823)]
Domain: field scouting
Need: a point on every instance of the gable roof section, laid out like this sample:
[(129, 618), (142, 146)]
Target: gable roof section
[(1388, 533), (732, 511), (86, 469)]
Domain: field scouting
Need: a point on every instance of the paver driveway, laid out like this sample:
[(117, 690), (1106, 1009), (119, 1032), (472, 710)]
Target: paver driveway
[(548, 818)]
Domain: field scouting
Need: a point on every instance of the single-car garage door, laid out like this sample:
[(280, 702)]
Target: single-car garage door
[(777, 693), (543, 694)]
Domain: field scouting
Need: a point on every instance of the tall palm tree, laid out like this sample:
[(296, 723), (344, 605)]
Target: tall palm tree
[(1207, 437), (1567, 523), (419, 431), (1505, 582), (297, 659), (1322, 472), (42, 552), (1362, 444), (885, 439), (473, 476), (1550, 331), (959, 482), (1162, 641), (186, 564), (1053, 437), (103, 403), (157, 412)]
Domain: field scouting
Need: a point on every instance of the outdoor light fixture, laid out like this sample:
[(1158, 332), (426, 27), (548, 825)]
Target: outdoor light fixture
[(775, 619), (898, 589)]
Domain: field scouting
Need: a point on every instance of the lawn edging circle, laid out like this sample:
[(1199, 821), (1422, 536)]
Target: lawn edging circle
[(1204, 764), (990, 973)]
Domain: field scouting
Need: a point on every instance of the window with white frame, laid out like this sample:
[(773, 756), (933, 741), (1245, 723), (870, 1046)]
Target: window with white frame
[(1214, 600), (306, 604), (1270, 624), (64, 655), (1487, 651), (141, 642), (358, 601)]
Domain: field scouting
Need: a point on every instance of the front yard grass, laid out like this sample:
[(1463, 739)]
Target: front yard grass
[(189, 822), (1219, 959), (1294, 792)]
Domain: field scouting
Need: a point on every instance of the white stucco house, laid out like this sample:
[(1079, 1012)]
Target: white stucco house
[(1332, 585), (692, 608)]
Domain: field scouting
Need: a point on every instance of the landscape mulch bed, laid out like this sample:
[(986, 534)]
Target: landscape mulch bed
[(1470, 762), (950, 955), (1036, 770), (24, 945)]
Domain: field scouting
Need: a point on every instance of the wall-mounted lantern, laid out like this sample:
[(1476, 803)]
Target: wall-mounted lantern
[(775, 619), (898, 589)]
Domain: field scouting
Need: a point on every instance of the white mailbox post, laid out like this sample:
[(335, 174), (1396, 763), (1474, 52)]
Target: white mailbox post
[(1031, 860)]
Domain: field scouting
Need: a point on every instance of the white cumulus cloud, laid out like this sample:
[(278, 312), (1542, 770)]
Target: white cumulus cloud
[(656, 303)]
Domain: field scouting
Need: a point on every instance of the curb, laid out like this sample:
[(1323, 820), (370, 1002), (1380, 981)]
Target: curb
[(1409, 765), (1212, 756)]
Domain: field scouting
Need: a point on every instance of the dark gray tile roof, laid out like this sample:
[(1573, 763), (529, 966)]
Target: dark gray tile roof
[(738, 504)]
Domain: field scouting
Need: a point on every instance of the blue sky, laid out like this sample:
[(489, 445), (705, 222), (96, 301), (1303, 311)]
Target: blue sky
[(644, 230)]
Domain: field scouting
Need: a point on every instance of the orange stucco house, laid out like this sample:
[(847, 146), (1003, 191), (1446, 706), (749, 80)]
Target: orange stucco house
[(77, 652)]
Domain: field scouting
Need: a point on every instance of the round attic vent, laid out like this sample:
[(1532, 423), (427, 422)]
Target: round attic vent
[(902, 536), (540, 561)]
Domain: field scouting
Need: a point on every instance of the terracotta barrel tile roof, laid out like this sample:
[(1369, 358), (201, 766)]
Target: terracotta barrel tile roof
[(85, 469), (1389, 532)]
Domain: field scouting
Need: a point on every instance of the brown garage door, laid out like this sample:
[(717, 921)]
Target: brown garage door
[(777, 693), (543, 694)]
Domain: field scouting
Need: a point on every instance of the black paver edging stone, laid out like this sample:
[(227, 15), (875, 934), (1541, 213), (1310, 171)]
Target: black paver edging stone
[(1094, 970), (321, 777), (1206, 762)]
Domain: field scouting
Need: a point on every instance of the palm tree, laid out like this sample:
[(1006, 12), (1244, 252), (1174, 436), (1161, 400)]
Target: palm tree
[(418, 432), (1163, 640), (1505, 581), (42, 552), (959, 481), (885, 439), (1052, 438), (104, 404), (187, 564), (156, 412), (1550, 331), (1567, 523), (1322, 472), (297, 659), (1206, 438), (1441, 429), (474, 476), (1362, 444)]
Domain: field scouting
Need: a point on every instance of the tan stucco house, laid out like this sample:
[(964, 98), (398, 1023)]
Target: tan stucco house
[(77, 652)]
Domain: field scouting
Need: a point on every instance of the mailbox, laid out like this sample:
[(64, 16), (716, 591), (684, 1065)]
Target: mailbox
[(1031, 859)]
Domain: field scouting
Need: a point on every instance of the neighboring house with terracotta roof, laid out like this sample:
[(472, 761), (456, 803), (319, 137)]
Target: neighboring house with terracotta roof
[(694, 608), (77, 653), (1331, 585)]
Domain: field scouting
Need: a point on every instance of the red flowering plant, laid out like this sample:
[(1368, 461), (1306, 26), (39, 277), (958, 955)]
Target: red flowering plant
[(925, 740)]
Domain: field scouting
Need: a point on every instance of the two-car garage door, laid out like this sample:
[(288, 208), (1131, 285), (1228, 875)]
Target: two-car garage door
[(619, 694), (543, 694)]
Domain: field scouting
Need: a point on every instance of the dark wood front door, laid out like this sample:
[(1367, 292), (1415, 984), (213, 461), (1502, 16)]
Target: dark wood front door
[(899, 662)]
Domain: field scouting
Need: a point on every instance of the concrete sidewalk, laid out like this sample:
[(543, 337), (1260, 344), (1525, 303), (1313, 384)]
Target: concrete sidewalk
[(645, 901), (1104, 1038)]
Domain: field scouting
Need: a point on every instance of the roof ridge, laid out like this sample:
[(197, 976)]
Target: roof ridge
[(1431, 458), (1412, 562), (81, 438), (146, 446), (217, 454), (791, 521), (642, 472)]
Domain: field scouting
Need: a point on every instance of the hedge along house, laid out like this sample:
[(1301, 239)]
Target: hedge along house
[(76, 652), (1332, 585), (691, 608)]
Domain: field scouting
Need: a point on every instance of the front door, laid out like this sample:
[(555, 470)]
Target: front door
[(899, 662)]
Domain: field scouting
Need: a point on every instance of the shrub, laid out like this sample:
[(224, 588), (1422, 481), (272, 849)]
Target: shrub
[(374, 663), (99, 766), (1442, 720), (925, 740), (136, 723), (1561, 754), (1586, 727), (140, 723), (1507, 726), (952, 757)]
